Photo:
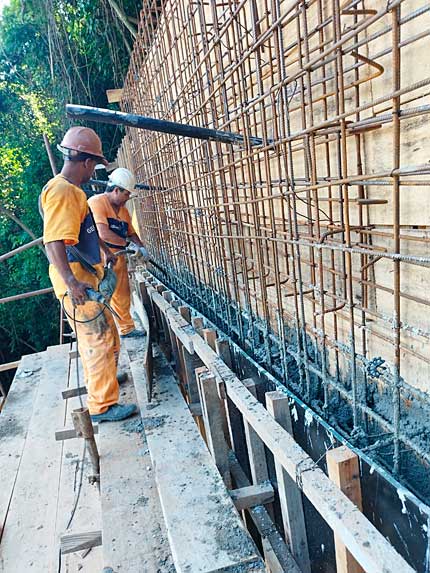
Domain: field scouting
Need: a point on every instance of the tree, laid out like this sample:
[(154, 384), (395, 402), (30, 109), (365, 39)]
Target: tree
[(51, 52)]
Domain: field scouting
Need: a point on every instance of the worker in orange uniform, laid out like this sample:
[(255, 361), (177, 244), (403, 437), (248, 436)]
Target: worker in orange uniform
[(73, 249), (115, 228)]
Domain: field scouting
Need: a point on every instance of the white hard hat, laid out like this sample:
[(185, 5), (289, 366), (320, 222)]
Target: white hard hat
[(123, 178)]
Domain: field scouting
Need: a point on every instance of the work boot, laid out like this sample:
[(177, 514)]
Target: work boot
[(115, 413), (134, 334), (122, 377)]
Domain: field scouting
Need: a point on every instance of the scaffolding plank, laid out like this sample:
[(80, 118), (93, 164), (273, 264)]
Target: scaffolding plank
[(37, 482), (134, 535), (14, 422), (78, 507), (203, 526)]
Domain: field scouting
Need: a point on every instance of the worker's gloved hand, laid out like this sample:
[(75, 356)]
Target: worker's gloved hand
[(139, 251)]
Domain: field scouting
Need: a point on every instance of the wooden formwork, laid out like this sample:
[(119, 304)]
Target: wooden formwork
[(208, 386), (310, 250)]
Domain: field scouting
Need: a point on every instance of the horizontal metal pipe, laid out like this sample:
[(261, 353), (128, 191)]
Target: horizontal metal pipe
[(26, 295), (21, 249), (151, 124)]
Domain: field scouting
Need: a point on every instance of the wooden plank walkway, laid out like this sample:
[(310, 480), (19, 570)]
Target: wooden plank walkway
[(205, 531), (41, 476), (14, 421), (134, 534)]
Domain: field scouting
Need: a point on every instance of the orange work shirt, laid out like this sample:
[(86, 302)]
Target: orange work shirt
[(65, 209), (119, 223)]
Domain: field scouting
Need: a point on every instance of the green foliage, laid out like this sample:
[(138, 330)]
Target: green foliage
[(52, 52)]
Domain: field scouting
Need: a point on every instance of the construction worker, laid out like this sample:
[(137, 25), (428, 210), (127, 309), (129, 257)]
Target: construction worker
[(73, 248), (115, 228)]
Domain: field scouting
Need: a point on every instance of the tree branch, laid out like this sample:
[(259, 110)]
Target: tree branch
[(123, 17), (7, 213)]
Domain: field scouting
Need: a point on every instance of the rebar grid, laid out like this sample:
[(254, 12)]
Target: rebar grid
[(311, 250)]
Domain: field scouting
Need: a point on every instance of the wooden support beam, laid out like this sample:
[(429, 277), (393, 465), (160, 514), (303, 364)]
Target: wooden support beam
[(343, 469), (168, 297), (197, 322), (195, 408), (73, 392), (185, 312), (364, 541), (70, 433), (256, 452), (278, 558), (84, 428), (252, 495), (72, 542), (114, 96), (191, 362), (210, 336), (236, 430), (9, 366), (289, 494), (213, 419)]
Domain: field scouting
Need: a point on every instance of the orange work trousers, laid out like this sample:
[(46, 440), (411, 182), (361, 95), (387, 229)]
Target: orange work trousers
[(98, 345), (120, 300)]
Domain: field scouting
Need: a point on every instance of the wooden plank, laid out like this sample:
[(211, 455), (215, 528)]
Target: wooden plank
[(343, 469), (78, 504), (115, 95), (256, 451), (134, 535), (236, 431), (14, 422), (37, 482), (364, 541), (210, 336), (9, 366), (73, 392), (213, 418), (276, 552), (289, 494), (73, 542), (204, 529), (70, 433), (185, 312), (191, 362), (252, 495)]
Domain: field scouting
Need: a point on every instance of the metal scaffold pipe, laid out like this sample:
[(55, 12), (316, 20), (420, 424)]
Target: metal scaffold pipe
[(21, 249), (100, 115)]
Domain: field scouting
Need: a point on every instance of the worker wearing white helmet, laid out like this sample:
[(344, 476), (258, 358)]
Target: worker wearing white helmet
[(115, 228)]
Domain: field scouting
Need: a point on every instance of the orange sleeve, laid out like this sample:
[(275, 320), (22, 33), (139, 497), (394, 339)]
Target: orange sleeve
[(98, 209), (63, 212), (127, 218)]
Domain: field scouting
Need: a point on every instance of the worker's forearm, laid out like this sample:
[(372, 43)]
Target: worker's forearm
[(57, 256), (105, 234), (103, 246), (135, 239)]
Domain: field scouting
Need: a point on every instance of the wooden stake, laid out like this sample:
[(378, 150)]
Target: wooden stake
[(84, 428), (289, 494), (343, 469), (213, 419)]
